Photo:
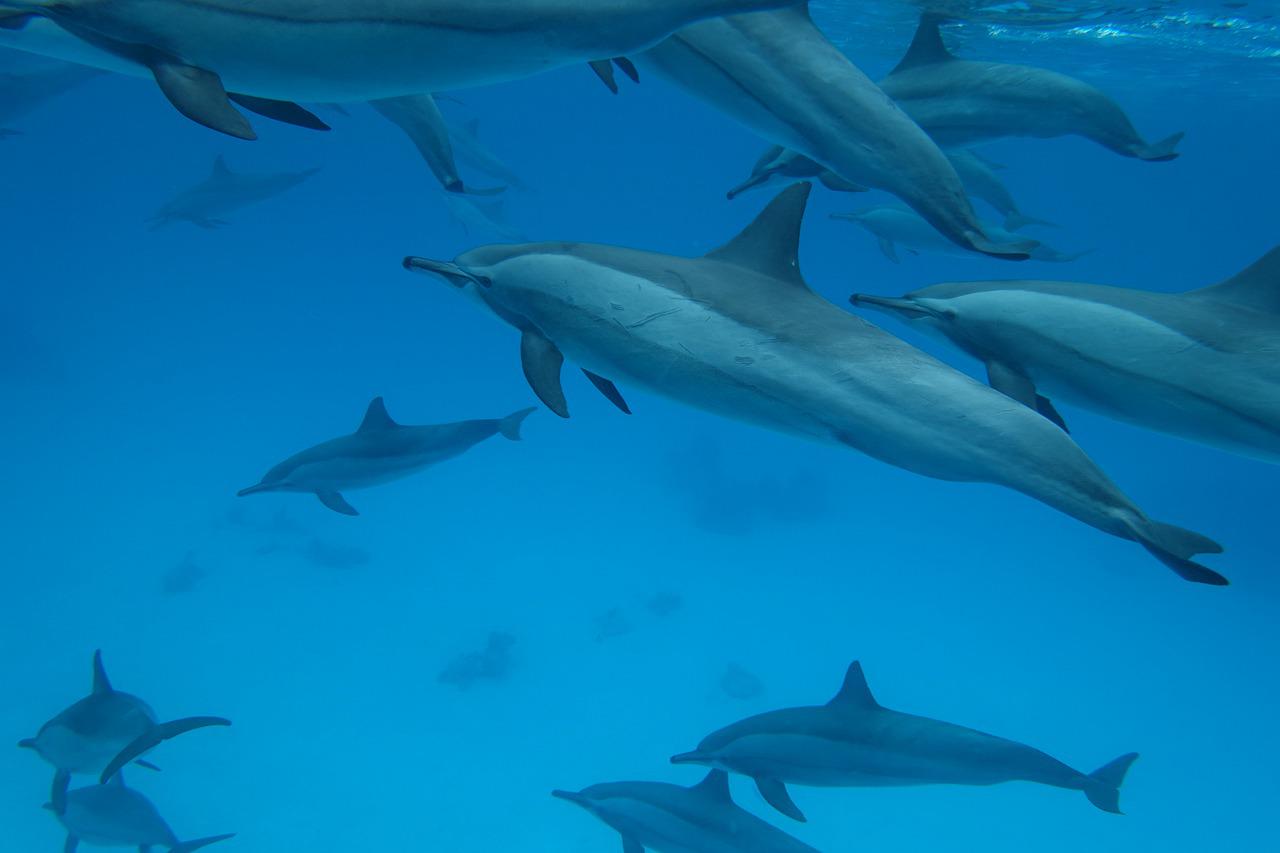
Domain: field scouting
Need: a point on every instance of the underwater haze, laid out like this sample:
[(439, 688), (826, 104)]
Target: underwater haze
[(580, 605)]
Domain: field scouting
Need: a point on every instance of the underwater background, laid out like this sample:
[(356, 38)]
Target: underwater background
[(630, 561)]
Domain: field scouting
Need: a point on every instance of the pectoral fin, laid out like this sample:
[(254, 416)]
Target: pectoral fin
[(775, 794), (1045, 407), (887, 247), (609, 390), (604, 70), (1017, 385), (541, 362), (154, 737), (630, 845), (198, 94), (336, 502), (282, 111)]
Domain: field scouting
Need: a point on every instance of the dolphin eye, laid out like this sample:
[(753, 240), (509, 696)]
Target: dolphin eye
[(483, 280)]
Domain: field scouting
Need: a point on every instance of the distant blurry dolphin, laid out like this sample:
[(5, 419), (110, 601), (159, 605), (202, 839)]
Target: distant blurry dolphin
[(673, 819), (224, 192), (266, 55), (1202, 365), (740, 334), (778, 162), (380, 451), (961, 102), (114, 815), (486, 216), (20, 93), (106, 730), (420, 119), (853, 741), (470, 150), (981, 181), (893, 225), (780, 76)]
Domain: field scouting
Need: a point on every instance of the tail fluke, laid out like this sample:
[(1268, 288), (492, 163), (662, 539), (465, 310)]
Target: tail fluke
[(510, 425), (154, 737), (1159, 151), (1175, 546), (1103, 788)]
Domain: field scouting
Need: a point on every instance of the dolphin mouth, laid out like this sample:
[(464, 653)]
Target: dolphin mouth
[(253, 490), (27, 743), (570, 796), (694, 757), (456, 275), (906, 308)]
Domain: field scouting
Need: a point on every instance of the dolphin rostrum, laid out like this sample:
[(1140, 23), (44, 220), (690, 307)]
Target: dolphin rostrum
[(106, 730), (893, 225), (739, 333), (854, 741), (674, 819), (1201, 364), (267, 55), (224, 192), (780, 76), (778, 162), (380, 451), (114, 815), (961, 102)]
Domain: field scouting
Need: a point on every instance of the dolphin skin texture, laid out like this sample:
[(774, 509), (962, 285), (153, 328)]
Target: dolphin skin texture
[(780, 76), (266, 55), (854, 741), (380, 451), (1200, 364), (962, 102), (739, 333)]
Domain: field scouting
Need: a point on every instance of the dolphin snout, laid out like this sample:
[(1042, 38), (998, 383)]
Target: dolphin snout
[(694, 757), (906, 308), (454, 274), (253, 490), (571, 796)]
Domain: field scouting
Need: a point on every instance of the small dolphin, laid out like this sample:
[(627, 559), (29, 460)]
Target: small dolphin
[(1201, 365), (673, 819), (778, 162), (980, 181), (780, 76), (853, 741), (23, 92), (740, 334), (114, 815), (106, 730), (893, 225), (224, 192), (420, 119), (268, 55), (962, 102), (380, 451)]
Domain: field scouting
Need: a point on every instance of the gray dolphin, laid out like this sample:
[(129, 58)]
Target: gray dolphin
[(22, 92), (1201, 364), (778, 162), (961, 102), (106, 730), (420, 119), (980, 181), (267, 55), (739, 333), (224, 192), (780, 76), (893, 225), (380, 451), (115, 815), (853, 741), (674, 819)]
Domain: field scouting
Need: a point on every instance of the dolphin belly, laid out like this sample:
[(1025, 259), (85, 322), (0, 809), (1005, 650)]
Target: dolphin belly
[(357, 472), (661, 830)]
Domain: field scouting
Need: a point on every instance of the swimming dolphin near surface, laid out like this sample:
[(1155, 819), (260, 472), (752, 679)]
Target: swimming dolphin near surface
[(674, 819), (780, 76), (778, 162), (106, 730), (854, 741), (268, 55), (380, 451), (980, 181), (22, 92), (1201, 365), (114, 815), (962, 102), (893, 225), (224, 192), (739, 333), (421, 120)]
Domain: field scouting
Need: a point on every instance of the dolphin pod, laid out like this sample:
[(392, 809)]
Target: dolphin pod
[(854, 741), (1199, 364), (780, 76), (739, 333), (961, 102), (224, 192), (267, 55)]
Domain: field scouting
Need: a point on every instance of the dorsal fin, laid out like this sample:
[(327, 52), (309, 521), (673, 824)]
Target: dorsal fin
[(117, 780), (715, 786), (770, 245), (854, 693), (376, 417), (220, 168), (101, 684), (927, 47), (1256, 286)]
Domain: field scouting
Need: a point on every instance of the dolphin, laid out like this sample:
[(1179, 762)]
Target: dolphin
[(674, 819), (487, 217), (739, 333), (854, 741), (115, 815), (268, 55), (223, 192), (22, 92), (380, 451), (980, 181), (780, 76), (893, 225), (1201, 365), (778, 162), (961, 102), (470, 150), (106, 730), (420, 119)]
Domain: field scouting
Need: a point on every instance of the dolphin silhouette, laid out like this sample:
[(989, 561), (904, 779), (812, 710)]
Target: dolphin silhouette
[(893, 225), (224, 192)]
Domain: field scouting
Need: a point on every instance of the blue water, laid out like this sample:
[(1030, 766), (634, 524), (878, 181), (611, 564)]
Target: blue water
[(147, 376)]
